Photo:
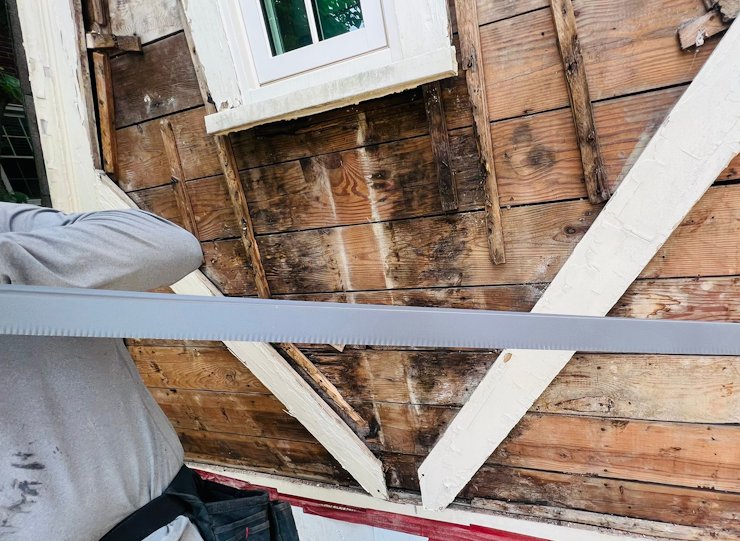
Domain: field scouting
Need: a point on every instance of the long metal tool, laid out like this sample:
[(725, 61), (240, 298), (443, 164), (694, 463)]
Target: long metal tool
[(43, 311)]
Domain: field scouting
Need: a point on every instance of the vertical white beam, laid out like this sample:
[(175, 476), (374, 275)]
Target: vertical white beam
[(694, 144), (50, 37)]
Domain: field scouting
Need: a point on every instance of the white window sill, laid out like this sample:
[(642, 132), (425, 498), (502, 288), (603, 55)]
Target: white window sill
[(303, 100)]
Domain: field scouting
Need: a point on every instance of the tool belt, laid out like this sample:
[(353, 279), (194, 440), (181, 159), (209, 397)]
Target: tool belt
[(221, 513)]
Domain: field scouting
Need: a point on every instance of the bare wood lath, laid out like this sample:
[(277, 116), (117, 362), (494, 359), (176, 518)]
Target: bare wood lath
[(471, 52), (594, 171)]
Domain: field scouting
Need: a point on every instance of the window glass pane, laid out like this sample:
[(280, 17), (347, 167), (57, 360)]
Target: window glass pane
[(336, 17), (287, 25)]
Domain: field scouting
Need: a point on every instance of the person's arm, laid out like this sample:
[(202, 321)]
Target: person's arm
[(117, 249)]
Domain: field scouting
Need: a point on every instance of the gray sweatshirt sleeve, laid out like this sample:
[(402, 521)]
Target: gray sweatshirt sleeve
[(117, 249)]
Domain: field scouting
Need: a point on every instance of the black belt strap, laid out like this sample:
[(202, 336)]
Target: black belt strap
[(157, 513)]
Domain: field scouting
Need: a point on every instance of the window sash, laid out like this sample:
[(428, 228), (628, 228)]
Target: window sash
[(268, 68)]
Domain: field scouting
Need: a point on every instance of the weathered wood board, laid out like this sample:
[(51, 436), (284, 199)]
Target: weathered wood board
[(157, 82), (451, 251)]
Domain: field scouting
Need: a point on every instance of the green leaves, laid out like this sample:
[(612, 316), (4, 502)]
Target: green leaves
[(10, 87)]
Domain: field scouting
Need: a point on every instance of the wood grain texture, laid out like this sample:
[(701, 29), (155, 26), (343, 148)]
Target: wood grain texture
[(440, 145), (195, 368), (148, 19), (247, 414), (555, 493), (304, 460), (628, 46), (386, 119), (693, 33), (680, 454), (537, 160), (157, 82), (141, 156), (227, 265), (451, 251), (471, 53), (177, 176), (580, 100), (664, 388), (106, 111)]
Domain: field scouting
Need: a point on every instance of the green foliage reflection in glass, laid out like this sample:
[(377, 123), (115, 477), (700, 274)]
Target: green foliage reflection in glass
[(289, 27)]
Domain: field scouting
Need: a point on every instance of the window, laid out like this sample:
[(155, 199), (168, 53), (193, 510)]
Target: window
[(267, 60), (17, 165), (293, 36)]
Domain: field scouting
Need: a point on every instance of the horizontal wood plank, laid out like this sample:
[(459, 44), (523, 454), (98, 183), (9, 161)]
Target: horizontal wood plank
[(394, 117), (156, 82), (628, 47), (681, 454), (247, 414), (452, 251), (554, 493), (304, 460), (141, 158), (195, 368), (666, 388), (692, 455)]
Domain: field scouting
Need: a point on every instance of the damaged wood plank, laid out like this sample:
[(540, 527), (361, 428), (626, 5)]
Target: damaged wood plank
[(451, 251), (106, 112), (304, 460), (158, 82), (569, 45), (557, 494), (182, 198), (440, 145), (97, 41), (471, 53), (648, 387), (693, 33), (326, 386)]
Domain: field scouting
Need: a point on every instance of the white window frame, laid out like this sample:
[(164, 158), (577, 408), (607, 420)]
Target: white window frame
[(417, 50), (320, 53)]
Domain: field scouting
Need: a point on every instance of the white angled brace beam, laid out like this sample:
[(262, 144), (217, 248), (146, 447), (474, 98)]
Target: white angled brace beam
[(694, 144), (50, 31)]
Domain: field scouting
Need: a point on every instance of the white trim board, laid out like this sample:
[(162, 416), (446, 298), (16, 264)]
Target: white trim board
[(50, 39), (456, 514), (50, 32), (694, 144)]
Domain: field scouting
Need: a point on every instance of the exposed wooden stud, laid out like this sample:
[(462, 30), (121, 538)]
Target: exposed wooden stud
[(471, 53), (696, 141), (99, 11), (178, 179), (440, 145), (97, 40), (569, 45), (106, 111), (325, 385)]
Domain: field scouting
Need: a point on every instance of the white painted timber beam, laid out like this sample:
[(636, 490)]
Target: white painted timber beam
[(694, 144), (50, 36)]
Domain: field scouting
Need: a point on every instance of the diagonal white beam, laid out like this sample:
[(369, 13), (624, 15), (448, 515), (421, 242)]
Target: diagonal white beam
[(694, 144), (50, 30)]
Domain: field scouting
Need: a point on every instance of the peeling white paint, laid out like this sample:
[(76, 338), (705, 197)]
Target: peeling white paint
[(694, 144)]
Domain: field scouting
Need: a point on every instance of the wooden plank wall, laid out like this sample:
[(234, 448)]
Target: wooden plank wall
[(346, 207)]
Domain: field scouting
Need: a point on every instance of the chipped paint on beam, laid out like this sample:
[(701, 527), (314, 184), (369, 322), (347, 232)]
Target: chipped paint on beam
[(693, 145)]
